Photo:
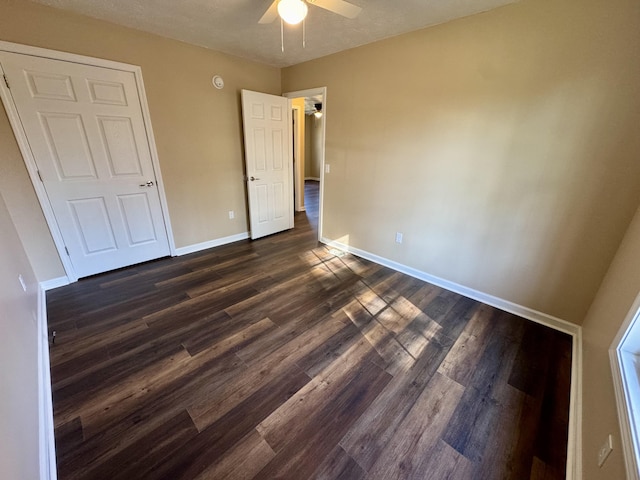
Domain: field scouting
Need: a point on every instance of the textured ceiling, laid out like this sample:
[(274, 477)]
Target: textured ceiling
[(231, 26)]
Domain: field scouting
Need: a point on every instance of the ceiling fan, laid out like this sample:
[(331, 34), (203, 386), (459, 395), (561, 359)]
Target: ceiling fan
[(294, 11)]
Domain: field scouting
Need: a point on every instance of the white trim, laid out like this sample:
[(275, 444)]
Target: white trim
[(155, 160), (54, 283), (290, 158), (211, 243), (623, 358), (29, 160), (65, 56), (574, 444), (32, 169), (310, 92), (315, 179), (46, 432)]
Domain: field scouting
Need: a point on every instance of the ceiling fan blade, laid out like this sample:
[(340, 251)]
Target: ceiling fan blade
[(271, 14), (340, 7)]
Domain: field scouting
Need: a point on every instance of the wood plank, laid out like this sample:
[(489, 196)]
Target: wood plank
[(370, 435), (128, 394), (207, 411), (111, 432), (418, 333), (140, 459), (460, 364), (511, 451), (110, 373), (207, 448), (242, 462), (302, 453), (277, 428), (69, 436), (396, 358), (339, 465), (331, 350), (420, 430), (478, 412), (444, 463)]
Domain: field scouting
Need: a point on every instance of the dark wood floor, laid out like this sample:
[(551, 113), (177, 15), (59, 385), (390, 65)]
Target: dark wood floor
[(281, 358)]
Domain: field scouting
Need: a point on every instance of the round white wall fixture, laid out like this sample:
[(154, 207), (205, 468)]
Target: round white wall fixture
[(217, 81)]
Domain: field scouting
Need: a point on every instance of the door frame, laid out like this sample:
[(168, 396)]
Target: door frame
[(310, 92), (29, 160)]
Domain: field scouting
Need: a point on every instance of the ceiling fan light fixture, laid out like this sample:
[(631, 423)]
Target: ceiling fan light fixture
[(292, 11)]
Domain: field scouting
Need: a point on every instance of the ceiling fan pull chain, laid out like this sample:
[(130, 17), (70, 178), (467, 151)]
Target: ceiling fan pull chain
[(304, 33), (282, 34)]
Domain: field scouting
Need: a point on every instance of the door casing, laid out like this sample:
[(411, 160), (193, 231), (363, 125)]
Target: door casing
[(29, 160)]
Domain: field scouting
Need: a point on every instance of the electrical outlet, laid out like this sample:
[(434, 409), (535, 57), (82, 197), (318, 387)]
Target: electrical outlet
[(605, 450), (398, 237), (327, 168), (232, 215), (21, 280)]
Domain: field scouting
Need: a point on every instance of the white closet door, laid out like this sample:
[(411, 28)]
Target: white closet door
[(85, 128)]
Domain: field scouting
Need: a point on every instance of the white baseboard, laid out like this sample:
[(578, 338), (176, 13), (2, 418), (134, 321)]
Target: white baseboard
[(506, 305), (54, 283), (315, 179), (46, 434), (211, 243), (574, 445)]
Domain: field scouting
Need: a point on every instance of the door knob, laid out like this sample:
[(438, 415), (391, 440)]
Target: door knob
[(148, 184), (253, 179)]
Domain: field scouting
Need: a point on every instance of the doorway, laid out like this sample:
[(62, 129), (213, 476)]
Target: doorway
[(309, 152)]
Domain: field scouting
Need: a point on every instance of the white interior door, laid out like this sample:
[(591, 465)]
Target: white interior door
[(268, 158), (86, 131)]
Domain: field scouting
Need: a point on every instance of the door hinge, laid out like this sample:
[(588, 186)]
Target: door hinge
[(40, 176), (66, 250), (6, 81)]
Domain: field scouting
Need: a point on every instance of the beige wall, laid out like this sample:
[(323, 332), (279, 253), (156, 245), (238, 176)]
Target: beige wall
[(503, 145), (18, 358), (317, 146), (607, 313), (21, 200), (301, 150), (308, 124), (313, 132), (198, 129)]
